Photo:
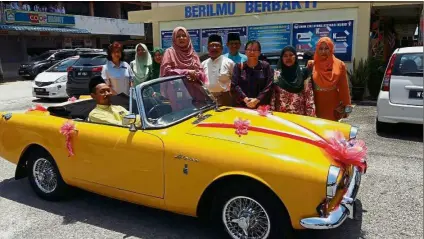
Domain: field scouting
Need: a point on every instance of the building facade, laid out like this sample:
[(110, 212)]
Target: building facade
[(275, 24), (31, 29)]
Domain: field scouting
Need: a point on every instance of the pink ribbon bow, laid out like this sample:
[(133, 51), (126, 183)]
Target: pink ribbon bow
[(348, 152), (241, 126), (72, 99), (68, 129), (263, 110)]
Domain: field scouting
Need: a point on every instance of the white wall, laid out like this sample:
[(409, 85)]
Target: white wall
[(276, 18), (108, 26)]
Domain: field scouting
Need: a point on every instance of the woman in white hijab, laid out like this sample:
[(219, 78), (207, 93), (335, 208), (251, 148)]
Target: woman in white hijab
[(142, 64)]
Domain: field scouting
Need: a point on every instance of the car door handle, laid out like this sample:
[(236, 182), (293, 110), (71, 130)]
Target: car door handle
[(413, 87)]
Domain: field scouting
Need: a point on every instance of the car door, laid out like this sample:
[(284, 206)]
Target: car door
[(113, 156), (406, 83)]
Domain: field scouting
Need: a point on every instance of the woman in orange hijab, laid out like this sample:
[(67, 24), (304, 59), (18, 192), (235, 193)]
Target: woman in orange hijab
[(331, 89)]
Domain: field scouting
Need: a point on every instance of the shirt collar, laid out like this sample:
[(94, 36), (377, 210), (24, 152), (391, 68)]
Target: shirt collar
[(114, 66), (217, 59), (103, 107)]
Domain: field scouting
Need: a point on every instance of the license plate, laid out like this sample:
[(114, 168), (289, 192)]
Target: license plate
[(21, 72), (82, 73), (416, 94), (39, 90)]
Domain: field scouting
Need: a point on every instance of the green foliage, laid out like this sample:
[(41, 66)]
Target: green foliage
[(376, 73), (358, 76)]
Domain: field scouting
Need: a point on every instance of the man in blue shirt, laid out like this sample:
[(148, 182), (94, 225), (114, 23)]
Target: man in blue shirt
[(233, 44)]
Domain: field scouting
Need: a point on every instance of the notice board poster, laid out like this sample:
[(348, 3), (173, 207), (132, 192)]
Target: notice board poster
[(166, 38), (306, 35), (273, 38), (223, 32)]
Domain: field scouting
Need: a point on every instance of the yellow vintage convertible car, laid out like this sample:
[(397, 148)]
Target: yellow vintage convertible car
[(256, 179)]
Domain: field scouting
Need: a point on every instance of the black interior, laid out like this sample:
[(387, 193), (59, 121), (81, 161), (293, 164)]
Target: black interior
[(81, 110)]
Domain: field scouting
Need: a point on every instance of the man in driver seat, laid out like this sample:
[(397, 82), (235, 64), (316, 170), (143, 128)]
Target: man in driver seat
[(105, 112)]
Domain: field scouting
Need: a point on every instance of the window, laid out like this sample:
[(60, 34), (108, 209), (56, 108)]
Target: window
[(63, 55), (62, 66), (408, 64), (91, 60)]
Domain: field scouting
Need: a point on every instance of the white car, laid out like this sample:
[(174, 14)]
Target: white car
[(401, 96), (52, 82)]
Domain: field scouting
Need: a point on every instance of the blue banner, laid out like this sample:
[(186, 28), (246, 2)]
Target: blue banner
[(306, 35), (273, 38), (166, 39), (38, 18), (223, 32)]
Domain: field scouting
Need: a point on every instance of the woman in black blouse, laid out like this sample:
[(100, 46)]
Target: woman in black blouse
[(252, 80)]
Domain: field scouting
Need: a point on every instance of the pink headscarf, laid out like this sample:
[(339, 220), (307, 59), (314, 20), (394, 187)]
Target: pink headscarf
[(175, 57)]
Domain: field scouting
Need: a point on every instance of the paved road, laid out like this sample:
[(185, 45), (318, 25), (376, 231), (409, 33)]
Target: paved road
[(390, 200), (17, 96)]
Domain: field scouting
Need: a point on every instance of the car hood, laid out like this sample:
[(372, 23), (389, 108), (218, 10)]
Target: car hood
[(49, 76), (274, 132)]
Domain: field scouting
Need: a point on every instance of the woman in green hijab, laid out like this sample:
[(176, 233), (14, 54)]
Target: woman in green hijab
[(293, 91), (157, 60), (142, 64)]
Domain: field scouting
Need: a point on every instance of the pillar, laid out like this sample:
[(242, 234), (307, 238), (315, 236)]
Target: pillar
[(156, 34), (363, 31), (91, 8)]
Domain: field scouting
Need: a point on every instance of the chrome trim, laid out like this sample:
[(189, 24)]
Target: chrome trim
[(6, 116), (339, 215), (333, 173), (353, 132)]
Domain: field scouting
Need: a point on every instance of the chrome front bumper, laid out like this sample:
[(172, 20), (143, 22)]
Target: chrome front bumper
[(339, 215)]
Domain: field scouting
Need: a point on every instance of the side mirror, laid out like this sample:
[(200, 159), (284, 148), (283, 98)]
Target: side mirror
[(130, 120)]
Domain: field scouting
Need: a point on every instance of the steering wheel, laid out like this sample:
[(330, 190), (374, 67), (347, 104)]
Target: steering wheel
[(159, 110)]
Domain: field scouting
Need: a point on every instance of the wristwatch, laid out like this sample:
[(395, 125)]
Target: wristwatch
[(348, 109)]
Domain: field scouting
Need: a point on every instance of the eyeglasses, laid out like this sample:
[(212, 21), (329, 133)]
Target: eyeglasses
[(214, 46), (181, 36)]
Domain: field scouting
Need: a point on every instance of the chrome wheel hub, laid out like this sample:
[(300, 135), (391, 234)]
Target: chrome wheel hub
[(245, 218), (44, 175)]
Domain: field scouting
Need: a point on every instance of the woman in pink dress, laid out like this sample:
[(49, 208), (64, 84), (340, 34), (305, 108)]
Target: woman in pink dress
[(293, 92), (181, 59)]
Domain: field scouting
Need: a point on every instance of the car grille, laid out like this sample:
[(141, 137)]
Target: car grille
[(41, 84)]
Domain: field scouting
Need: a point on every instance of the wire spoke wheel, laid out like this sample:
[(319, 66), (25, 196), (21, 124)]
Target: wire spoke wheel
[(45, 176), (245, 218)]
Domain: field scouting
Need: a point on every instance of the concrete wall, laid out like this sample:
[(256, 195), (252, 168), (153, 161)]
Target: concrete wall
[(109, 26)]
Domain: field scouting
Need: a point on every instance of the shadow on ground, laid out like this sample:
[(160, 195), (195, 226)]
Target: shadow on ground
[(139, 221), (408, 132)]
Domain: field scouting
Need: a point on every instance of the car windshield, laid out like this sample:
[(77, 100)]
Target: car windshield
[(43, 56), (408, 64), (91, 60), (170, 101), (62, 66)]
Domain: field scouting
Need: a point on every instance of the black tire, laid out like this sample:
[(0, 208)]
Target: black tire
[(280, 225), (382, 127), (40, 158)]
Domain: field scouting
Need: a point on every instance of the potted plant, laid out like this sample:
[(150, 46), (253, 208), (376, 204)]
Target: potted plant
[(358, 77)]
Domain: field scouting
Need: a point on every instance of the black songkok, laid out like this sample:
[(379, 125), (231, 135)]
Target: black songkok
[(215, 38), (232, 36)]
